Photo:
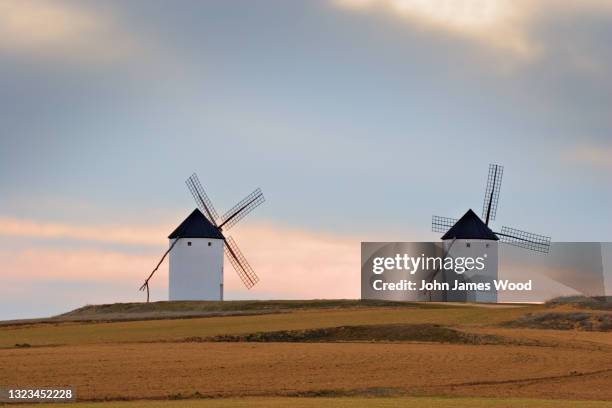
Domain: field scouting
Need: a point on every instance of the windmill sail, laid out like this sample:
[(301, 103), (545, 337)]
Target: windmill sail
[(491, 198), (442, 224), (523, 239), (204, 203), (240, 264), (240, 210)]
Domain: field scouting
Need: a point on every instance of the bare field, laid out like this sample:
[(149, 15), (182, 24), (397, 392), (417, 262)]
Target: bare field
[(373, 352), (283, 402), (166, 370)]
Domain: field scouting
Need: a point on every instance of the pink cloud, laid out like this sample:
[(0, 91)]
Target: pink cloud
[(296, 263), (291, 263), (44, 281), (125, 234), (81, 265), (506, 25), (53, 29), (597, 157)]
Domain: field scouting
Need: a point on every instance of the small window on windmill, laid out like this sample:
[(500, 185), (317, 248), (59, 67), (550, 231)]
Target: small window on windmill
[(188, 243), (486, 245), (468, 244), (209, 243)]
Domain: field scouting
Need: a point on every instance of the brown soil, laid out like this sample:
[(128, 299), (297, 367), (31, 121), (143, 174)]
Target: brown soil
[(163, 370)]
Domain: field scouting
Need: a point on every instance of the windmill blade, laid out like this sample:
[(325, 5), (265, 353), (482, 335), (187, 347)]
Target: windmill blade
[(240, 210), (523, 239), (491, 198), (202, 200), (240, 264), (442, 224)]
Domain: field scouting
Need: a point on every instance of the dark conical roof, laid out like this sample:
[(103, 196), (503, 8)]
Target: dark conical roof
[(470, 226), (196, 226)]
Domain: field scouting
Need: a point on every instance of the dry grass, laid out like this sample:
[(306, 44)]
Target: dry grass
[(116, 312), (166, 330), (239, 305)]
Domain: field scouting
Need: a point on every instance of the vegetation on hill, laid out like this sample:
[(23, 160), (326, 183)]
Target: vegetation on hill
[(565, 321), (595, 302), (369, 333), (240, 305)]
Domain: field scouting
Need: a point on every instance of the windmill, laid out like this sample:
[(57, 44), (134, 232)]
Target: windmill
[(470, 235), (512, 236), (197, 246)]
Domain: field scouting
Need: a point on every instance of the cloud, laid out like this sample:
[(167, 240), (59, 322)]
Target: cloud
[(295, 263), (56, 29), (591, 156), (50, 264), (44, 281), (291, 263), (125, 234), (500, 24)]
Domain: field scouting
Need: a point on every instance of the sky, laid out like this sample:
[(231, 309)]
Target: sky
[(359, 119)]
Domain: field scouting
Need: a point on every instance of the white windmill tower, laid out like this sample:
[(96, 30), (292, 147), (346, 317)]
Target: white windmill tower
[(470, 236), (197, 245)]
